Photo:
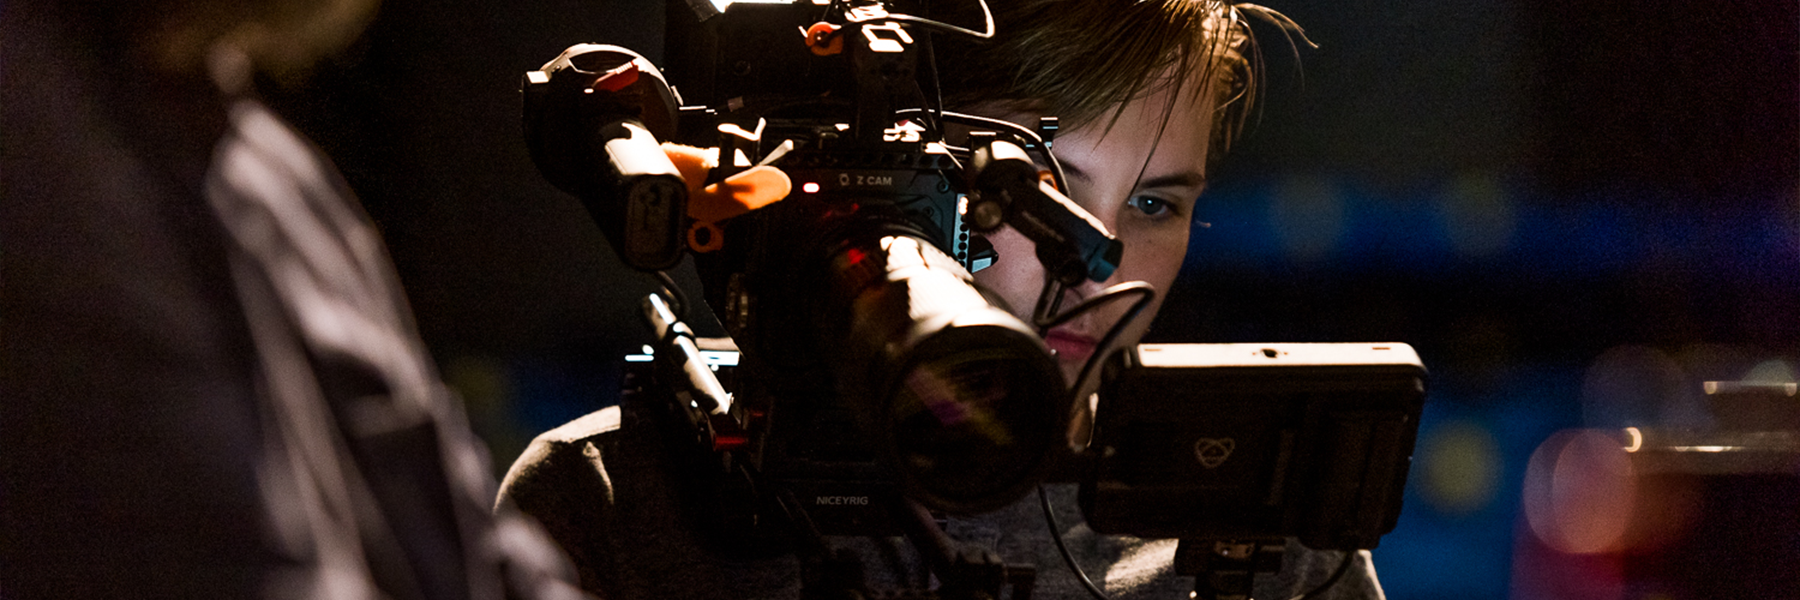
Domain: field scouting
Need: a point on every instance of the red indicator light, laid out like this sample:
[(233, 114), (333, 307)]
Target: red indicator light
[(810, 187)]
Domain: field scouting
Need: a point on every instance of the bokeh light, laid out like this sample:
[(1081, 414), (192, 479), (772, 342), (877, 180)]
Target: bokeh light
[(1580, 489), (1771, 371), (1459, 467)]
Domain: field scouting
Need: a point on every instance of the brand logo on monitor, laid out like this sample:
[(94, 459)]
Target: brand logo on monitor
[(1212, 452)]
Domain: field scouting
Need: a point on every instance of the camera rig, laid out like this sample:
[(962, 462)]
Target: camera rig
[(834, 224), (834, 230)]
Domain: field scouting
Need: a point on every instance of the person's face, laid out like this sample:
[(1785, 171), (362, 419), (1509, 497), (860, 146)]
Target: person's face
[(1141, 179)]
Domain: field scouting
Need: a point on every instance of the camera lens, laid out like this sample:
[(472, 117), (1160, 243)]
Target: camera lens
[(974, 418), (967, 404)]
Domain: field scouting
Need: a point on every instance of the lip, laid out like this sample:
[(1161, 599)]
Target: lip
[(1070, 346)]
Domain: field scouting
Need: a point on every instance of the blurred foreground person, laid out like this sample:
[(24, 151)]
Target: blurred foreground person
[(212, 383), (1150, 94)]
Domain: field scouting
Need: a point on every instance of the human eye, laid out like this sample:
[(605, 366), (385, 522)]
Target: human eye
[(1153, 207)]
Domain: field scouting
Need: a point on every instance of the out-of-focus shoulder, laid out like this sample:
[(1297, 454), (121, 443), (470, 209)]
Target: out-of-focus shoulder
[(601, 421)]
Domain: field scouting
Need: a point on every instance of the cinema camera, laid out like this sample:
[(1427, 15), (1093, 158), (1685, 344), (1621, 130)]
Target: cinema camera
[(834, 238)]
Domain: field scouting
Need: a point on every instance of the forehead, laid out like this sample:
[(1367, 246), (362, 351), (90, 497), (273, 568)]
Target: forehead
[(1166, 132)]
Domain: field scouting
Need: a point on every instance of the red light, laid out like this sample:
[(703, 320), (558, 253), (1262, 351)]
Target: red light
[(810, 187), (730, 442)]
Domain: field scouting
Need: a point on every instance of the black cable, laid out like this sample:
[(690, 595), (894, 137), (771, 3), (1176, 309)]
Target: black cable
[(934, 118), (1049, 302), (986, 13), (1106, 295), (1103, 349), (1349, 557), (1068, 559), (1146, 293), (835, 9), (934, 115), (1023, 132), (934, 127)]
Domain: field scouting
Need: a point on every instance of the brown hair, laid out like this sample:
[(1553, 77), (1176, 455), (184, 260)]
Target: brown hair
[(1077, 59)]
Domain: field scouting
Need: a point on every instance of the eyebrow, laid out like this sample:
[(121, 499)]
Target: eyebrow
[(1182, 179)]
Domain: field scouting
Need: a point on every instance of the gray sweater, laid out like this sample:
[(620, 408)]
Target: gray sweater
[(607, 492)]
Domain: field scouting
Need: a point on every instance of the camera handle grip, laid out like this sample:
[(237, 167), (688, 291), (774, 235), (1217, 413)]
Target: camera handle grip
[(695, 383)]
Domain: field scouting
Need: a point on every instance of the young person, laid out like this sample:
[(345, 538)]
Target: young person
[(1150, 92)]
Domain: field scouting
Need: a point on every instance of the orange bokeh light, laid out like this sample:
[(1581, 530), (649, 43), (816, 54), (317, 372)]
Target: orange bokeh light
[(1580, 491)]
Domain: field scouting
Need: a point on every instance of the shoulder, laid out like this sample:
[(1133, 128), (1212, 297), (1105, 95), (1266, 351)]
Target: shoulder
[(607, 490), (561, 462), (562, 481)]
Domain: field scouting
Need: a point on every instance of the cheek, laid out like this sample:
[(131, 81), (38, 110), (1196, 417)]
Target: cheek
[(1153, 255), (1016, 277)]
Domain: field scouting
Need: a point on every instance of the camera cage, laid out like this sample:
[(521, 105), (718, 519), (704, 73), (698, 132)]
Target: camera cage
[(845, 117)]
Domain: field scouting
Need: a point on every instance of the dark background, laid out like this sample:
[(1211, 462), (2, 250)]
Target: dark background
[(1575, 210)]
